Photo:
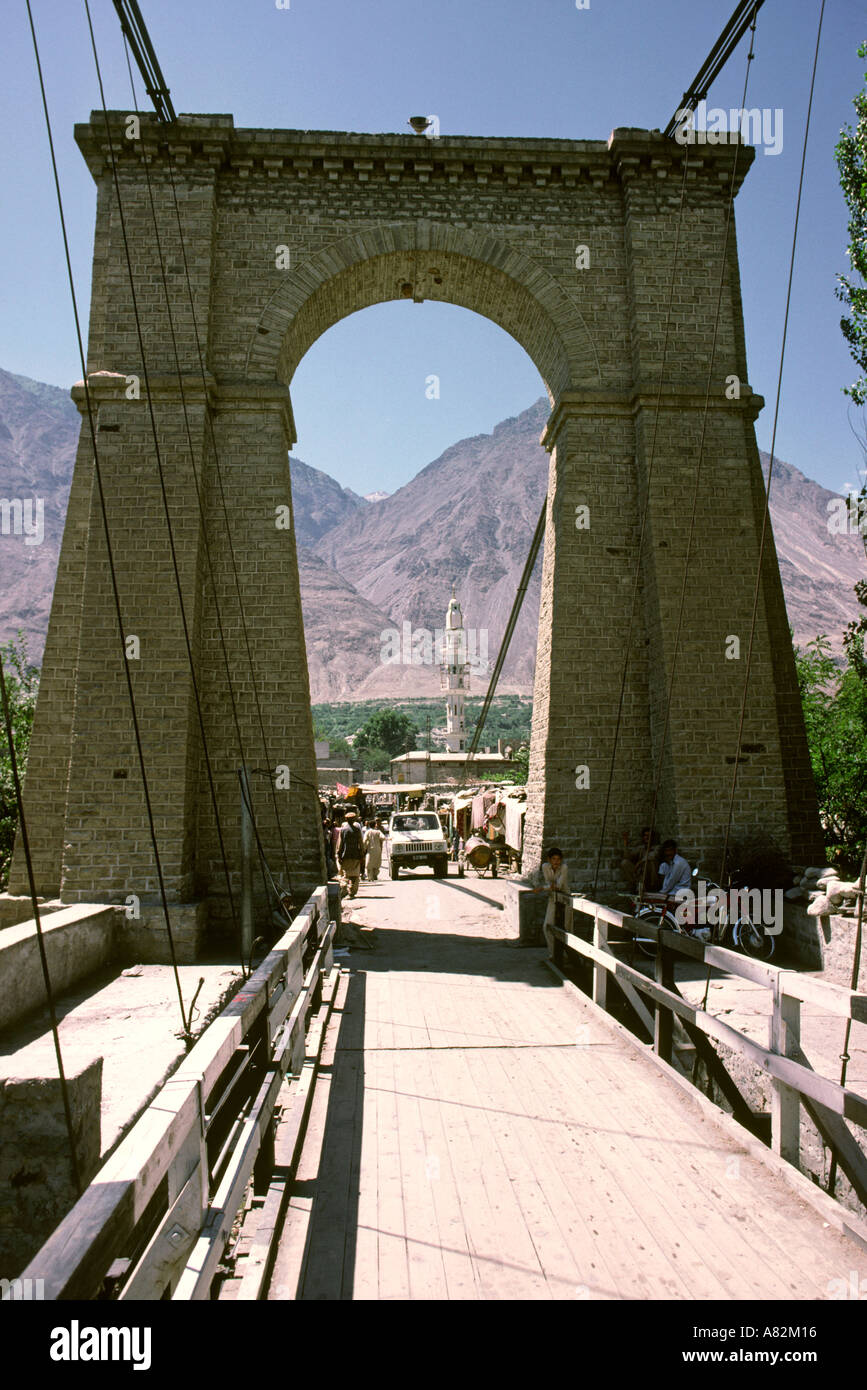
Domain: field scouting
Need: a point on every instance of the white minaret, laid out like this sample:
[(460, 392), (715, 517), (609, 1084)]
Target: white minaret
[(455, 676)]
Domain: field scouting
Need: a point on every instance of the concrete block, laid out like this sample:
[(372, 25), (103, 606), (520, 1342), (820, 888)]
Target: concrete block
[(144, 939), (36, 1186), (78, 940)]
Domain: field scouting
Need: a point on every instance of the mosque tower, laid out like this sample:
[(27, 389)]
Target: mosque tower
[(455, 676)]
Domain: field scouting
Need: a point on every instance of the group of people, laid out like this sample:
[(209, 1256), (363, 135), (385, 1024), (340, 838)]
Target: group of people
[(648, 867), (651, 867), (354, 849)]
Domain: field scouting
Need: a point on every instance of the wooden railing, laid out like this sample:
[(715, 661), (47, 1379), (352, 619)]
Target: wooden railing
[(156, 1218), (794, 1081)]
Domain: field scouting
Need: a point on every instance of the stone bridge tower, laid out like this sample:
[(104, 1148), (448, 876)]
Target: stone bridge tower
[(568, 246)]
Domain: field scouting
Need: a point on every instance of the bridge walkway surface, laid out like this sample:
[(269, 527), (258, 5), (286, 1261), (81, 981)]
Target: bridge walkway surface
[(478, 1132)]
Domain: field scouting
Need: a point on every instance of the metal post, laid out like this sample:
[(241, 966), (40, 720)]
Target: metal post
[(246, 868)]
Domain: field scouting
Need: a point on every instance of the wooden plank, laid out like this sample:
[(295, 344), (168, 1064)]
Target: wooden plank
[(719, 1074), (169, 1249), (663, 1022), (286, 1278), (330, 1251), (785, 1100), (842, 1100), (600, 974), (73, 1261), (365, 1274), (287, 1148), (597, 1275), (671, 1201), (80, 1250), (195, 1281), (802, 1243), (705, 1210), (560, 1266), (392, 1251), (718, 956), (427, 1279), (461, 1276), (457, 1264), (580, 1142), (833, 998)]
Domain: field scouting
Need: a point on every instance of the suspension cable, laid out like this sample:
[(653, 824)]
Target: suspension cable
[(529, 566), (43, 956), (108, 543), (766, 513)]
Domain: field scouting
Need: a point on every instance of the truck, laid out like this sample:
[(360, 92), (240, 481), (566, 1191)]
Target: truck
[(415, 838)]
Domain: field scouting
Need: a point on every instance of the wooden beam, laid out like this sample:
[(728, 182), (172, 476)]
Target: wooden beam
[(837, 1135), (664, 1018), (785, 1099)]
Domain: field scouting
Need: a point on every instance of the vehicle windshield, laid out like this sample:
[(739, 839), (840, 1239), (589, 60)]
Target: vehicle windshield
[(421, 821)]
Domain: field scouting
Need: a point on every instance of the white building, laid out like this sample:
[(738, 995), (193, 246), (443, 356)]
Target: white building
[(455, 676)]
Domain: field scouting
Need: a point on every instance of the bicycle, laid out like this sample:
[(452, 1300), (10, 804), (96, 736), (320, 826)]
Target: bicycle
[(728, 925)]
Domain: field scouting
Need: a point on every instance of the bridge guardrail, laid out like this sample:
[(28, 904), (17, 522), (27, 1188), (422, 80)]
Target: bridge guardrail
[(156, 1217), (794, 1081)]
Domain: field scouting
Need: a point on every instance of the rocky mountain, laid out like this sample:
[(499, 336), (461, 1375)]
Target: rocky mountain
[(319, 503), (372, 565), (466, 519), (819, 568), (38, 439)]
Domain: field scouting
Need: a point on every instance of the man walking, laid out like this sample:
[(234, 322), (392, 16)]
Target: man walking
[(350, 852), (373, 838)]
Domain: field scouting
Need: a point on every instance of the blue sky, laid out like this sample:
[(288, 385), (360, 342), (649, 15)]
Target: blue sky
[(485, 67)]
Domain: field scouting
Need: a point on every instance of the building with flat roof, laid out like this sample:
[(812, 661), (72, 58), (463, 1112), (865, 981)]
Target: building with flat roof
[(420, 766)]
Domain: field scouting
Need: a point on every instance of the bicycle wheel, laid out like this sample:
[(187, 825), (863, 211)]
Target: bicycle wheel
[(647, 944), (753, 940)]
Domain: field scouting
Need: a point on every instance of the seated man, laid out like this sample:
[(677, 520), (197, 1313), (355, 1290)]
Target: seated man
[(638, 865), (675, 873)]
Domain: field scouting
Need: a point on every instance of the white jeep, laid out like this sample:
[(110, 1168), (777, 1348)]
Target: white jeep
[(414, 838)]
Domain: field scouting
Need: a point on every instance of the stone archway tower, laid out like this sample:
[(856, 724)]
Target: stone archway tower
[(568, 246)]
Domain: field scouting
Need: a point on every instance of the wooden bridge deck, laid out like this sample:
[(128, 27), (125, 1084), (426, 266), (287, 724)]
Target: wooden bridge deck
[(478, 1133)]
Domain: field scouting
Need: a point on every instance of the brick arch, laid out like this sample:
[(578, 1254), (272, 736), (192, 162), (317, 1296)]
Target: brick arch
[(471, 269)]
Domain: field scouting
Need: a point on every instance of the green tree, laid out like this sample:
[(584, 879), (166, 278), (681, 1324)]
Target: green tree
[(835, 715), (376, 760), (851, 152), (387, 729), (22, 681)]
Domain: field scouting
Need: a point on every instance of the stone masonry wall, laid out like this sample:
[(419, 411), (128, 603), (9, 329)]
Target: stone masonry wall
[(569, 246)]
